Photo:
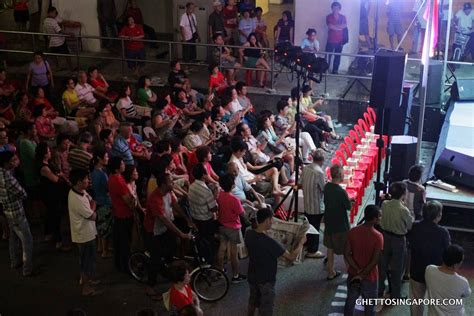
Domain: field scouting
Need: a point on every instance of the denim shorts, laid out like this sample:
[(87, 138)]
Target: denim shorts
[(88, 257)]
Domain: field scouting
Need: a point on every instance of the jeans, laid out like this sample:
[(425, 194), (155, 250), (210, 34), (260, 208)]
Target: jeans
[(88, 257), (122, 234), (312, 242), (417, 291), (367, 289), (337, 48), (392, 264), (20, 233), (262, 296)]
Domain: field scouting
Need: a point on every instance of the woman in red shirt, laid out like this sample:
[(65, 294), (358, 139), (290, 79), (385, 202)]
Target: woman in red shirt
[(217, 80), (231, 22), (181, 294), (43, 123), (133, 49), (97, 80), (40, 99)]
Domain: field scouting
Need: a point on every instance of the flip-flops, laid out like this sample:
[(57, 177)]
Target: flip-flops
[(338, 274)]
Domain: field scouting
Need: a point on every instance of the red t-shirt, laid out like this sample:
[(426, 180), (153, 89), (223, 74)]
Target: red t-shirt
[(21, 6), (132, 32), (364, 241), (180, 300), (171, 110), (117, 189), (98, 83), (230, 17), (217, 82), (229, 210), (45, 102), (335, 37), (155, 207)]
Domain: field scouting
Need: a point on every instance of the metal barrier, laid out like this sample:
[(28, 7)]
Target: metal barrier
[(172, 47)]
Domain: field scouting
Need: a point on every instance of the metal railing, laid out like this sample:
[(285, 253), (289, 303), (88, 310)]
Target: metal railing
[(172, 47)]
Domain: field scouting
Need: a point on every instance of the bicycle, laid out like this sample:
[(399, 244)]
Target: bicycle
[(210, 283)]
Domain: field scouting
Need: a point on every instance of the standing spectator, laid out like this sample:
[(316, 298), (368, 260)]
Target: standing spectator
[(107, 14), (26, 149), (146, 97), (464, 23), (216, 21), (336, 23), (362, 253), (263, 256), (247, 26), (416, 193), (12, 195), (40, 75), (134, 11), (51, 183), (312, 181), (443, 282), (61, 154), (394, 23), (52, 25), (395, 224), (100, 188), (428, 242), (285, 28), (337, 205), (261, 27), (230, 210), (120, 147), (364, 21), (122, 206), (231, 22), (246, 5), (80, 157), (161, 206), (82, 216), (134, 48), (21, 15), (420, 27), (189, 32)]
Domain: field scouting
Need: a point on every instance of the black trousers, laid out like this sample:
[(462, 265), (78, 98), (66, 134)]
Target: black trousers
[(189, 51), (162, 248), (122, 235), (207, 231), (53, 219), (312, 242)]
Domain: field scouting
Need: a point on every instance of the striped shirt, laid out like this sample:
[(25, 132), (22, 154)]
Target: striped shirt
[(121, 149), (85, 92), (79, 159), (12, 195), (127, 105), (312, 180), (51, 26), (201, 201)]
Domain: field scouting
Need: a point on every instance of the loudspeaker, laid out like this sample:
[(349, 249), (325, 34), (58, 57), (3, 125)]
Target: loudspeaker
[(403, 156), (435, 75), (386, 90), (433, 122), (463, 90)]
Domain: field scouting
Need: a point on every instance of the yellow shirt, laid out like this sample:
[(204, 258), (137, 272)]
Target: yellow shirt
[(73, 99)]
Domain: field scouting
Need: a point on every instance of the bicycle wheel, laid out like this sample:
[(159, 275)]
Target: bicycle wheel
[(210, 284), (138, 265)]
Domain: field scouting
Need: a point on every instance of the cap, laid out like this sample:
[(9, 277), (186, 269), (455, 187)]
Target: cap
[(216, 3), (467, 6)]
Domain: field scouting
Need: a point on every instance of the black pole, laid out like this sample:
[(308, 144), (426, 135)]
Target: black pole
[(297, 141)]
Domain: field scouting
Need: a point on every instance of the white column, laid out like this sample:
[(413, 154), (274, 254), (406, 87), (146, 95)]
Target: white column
[(312, 13)]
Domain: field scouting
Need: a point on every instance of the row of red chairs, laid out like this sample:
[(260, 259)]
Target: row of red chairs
[(364, 163)]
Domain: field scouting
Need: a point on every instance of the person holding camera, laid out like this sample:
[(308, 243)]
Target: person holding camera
[(362, 252)]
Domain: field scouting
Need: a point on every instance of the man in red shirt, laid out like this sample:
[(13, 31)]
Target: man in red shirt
[(363, 248), (159, 222), (134, 48), (336, 23)]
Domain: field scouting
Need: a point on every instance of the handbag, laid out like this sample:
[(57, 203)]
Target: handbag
[(345, 36)]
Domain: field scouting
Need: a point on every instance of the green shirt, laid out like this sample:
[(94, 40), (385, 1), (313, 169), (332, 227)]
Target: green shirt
[(336, 204), (27, 150), (143, 96)]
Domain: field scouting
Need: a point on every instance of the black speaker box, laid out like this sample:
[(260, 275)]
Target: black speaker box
[(403, 156), (435, 75), (432, 125), (386, 89), (463, 90)]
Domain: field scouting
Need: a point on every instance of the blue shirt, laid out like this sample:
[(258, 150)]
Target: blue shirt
[(100, 186), (310, 46), (427, 242), (241, 186), (247, 26), (121, 149)]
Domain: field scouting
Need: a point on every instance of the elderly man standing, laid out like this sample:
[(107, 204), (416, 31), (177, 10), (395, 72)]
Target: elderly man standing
[(312, 181), (428, 241), (395, 223), (216, 21), (189, 32)]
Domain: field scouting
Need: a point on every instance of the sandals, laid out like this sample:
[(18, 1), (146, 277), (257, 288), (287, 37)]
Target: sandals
[(338, 274)]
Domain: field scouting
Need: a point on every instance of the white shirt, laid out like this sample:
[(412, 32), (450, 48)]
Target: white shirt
[(243, 171), (440, 285), (235, 106), (82, 229), (85, 93), (51, 26), (465, 21), (189, 24), (313, 183), (128, 106)]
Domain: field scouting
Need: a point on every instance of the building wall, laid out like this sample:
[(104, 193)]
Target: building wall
[(307, 15)]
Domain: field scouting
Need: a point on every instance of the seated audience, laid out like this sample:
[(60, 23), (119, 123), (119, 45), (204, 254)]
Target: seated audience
[(73, 105), (100, 84), (145, 96), (223, 56), (252, 57)]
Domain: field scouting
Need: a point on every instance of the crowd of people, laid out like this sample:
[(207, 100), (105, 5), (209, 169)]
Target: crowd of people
[(118, 163)]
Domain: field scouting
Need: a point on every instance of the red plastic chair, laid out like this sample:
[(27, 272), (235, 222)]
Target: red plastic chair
[(249, 75), (358, 175), (356, 185), (363, 159), (371, 112), (368, 119), (351, 193), (373, 150)]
